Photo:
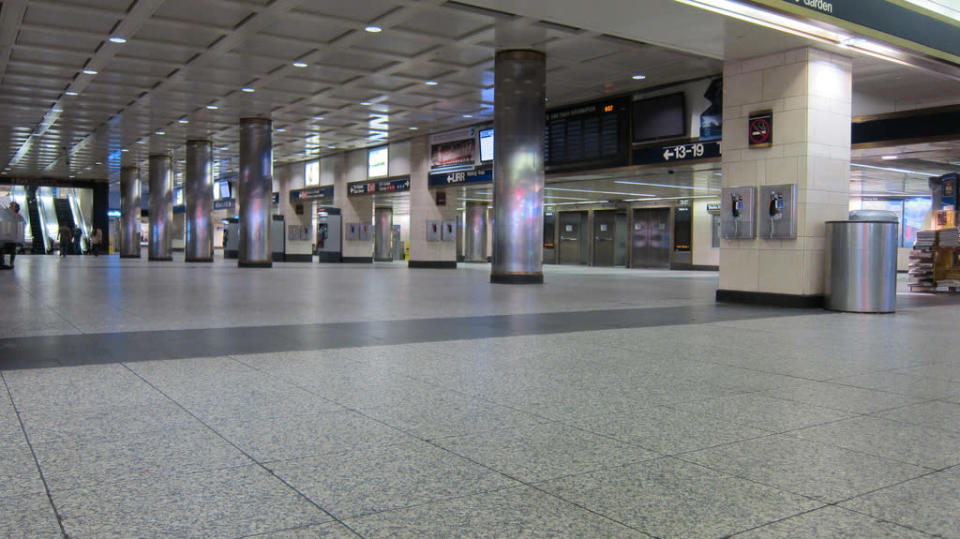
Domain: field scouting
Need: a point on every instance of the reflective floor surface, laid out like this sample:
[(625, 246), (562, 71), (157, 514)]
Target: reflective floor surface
[(172, 400)]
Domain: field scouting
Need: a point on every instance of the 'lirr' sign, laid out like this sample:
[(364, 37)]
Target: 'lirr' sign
[(476, 175)]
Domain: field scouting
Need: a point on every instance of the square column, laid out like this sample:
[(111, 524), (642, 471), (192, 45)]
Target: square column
[(423, 208), (349, 167), (809, 92)]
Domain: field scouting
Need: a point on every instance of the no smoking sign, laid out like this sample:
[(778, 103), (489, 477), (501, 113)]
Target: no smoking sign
[(760, 129)]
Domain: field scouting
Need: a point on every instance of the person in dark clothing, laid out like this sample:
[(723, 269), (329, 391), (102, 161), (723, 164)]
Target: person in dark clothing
[(77, 235), (65, 237)]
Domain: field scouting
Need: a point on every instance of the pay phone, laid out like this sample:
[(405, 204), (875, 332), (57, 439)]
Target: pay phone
[(779, 219), (738, 211), (328, 234)]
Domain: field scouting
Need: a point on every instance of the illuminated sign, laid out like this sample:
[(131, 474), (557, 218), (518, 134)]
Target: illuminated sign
[(486, 145), (312, 193), (312, 173), (482, 174), (377, 162), (389, 185)]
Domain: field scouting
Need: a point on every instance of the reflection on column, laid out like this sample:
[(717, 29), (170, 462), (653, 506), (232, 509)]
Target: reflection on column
[(198, 188), (161, 207), (130, 212), (255, 190), (519, 92)]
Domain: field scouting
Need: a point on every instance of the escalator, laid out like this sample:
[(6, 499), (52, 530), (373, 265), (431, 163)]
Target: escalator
[(36, 226), (64, 212)]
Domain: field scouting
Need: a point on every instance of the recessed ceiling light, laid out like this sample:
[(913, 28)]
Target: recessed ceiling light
[(70, 93), (413, 128), (90, 71), (117, 39), (318, 117), (160, 132), (212, 107), (224, 147), (183, 121), (300, 64), (281, 129), (99, 162), (332, 146), (124, 150), (431, 83), (890, 157), (468, 115), (373, 28), (639, 76), (248, 90), (366, 103), (140, 141)]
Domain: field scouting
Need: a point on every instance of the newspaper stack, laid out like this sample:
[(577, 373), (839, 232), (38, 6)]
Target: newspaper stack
[(926, 239), (948, 237)]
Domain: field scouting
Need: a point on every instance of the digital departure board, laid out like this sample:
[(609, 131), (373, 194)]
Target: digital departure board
[(588, 136)]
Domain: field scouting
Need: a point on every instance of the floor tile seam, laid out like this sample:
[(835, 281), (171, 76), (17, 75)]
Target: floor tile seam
[(297, 491), (882, 390), (792, 434), (826, 505), (167, 474), (36, 462), (955, 433), (889, 522), (851, 415), (439, 500), (769, 393), (304, 527), (887, 487)]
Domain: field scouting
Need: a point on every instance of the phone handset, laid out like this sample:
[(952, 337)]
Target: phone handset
[(736, 204), (776, 205)]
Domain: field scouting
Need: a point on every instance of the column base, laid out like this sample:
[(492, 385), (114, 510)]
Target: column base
[(231, 254), (266, 264), (329, 257), (383, 259), (770, 299), (516, 278), (198, 259), (432, 264), (159, 258), (297, 258), (130, 256), (357, 260)]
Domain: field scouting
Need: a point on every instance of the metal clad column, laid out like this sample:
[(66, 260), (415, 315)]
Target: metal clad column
[(161, 207), (198, 187), (130, 212), (255, 189), (519, 92), (382, 234), (476, 232)]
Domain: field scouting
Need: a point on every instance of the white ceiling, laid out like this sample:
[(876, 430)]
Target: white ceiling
[(183, 55)]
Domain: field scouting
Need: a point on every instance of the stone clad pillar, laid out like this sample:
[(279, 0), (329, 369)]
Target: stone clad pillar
[(424, 212), (161, 207), (130, 212), (519, 92), (255, 188), (198, 190), (809, 92)]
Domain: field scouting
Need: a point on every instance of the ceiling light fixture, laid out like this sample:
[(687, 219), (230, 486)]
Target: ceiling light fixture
[(667, 185), (318, 117), (373, 28), (118, 39), (248, 89), (281, 129), (300, 64), (889, 157), (332, 146), (212, 107), (124, 150), (160, 132), (639, 76), (89, 71), (366, 103), (413, 128), (468, 115), (594, 191), (71, 93), (431, 83), (183, 121), (891, 169)]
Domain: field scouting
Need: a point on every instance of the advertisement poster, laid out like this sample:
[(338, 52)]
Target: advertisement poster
[(453, 149)]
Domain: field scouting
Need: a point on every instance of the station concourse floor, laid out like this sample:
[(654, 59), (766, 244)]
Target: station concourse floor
[(168, 399)]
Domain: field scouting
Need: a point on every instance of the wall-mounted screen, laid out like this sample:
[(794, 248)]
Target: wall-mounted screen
[(178, 196), (222, 190), (486, 144), (312, 173), (377, 162), (659, 118)]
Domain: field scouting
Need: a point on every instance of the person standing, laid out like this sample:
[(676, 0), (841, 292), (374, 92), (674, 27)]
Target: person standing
[(95, 240), (77, 236), (65, 236), (10, 247)]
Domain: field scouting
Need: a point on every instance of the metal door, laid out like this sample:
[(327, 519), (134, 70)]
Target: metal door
[(620, 241), (604, 237), (573, 244), (650, 238)]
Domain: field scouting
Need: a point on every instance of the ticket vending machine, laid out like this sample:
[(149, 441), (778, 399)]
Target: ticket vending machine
[(328, 235), (278, 244), (231, 237)]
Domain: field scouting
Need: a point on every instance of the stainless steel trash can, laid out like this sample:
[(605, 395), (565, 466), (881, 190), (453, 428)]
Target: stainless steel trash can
[(861, 263)]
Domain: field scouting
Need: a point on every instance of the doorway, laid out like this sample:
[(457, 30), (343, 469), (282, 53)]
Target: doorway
[(573, 240), (650, 238)]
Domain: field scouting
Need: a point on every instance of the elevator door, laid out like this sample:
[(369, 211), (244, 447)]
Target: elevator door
[(604, 238), (650, 238), (573, 241)]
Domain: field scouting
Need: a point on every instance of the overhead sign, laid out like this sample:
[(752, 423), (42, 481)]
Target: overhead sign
[(760, 129), (477, 175), (311, 193), (691, 151), (883, 19), (453, 149), (389, 185), (225, 204)]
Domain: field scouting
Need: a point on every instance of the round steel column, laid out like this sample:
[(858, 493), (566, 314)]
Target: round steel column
[(130, 212), (382, 234), (519, 92), (161, 207), (198, 188), (255, 190), (476, 232)]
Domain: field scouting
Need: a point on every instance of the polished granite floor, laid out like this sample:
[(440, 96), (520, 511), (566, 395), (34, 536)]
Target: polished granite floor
[(171, 400)]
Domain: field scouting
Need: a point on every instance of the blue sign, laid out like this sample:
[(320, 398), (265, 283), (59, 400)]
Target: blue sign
[(477, 175), (179, 209), (225, 204)]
